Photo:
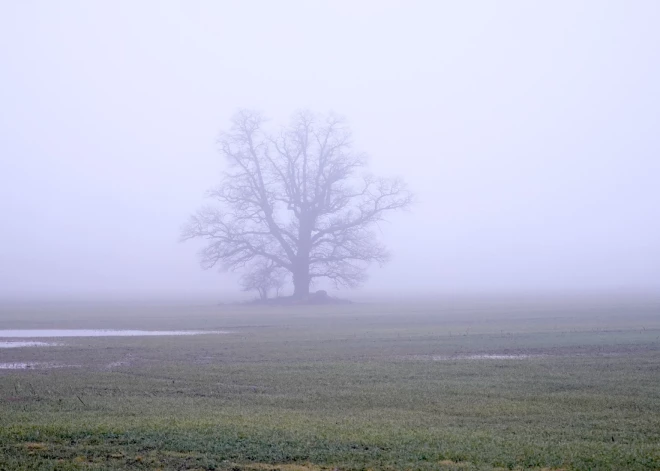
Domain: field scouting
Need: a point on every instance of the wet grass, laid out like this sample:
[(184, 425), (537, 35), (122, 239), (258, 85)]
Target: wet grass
[(346, 387)]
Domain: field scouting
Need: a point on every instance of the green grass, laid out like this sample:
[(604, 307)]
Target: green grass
[(348, 387)]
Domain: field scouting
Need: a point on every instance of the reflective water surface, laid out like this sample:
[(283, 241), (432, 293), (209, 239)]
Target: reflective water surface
[(52, 333), (23, 343), (484, 357), (17, 366)]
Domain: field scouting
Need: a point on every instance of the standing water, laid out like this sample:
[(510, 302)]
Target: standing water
[(51, 333), (23, 343)]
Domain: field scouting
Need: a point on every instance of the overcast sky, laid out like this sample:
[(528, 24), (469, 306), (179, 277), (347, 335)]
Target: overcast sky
[(530, 132)]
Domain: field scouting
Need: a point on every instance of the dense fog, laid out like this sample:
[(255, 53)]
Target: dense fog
[(528, 132)]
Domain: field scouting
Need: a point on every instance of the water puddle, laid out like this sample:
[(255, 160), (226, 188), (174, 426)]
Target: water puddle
[(53, 333), (483, 357), (18, 366), (33, 365), (18, 344), (477, 356)]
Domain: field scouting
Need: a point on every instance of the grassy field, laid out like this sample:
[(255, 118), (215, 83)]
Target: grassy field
[(351, 387)]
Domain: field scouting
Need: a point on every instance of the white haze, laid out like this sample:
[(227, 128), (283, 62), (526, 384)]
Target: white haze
[(529, 131)]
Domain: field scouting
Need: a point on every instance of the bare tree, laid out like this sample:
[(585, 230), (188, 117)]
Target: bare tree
[(263, 277), (296, 199)]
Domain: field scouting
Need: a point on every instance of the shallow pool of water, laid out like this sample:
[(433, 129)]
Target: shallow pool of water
[(17, 366), (484, 356), (33, 365), (53, 333), (23, 343), (474, 356)]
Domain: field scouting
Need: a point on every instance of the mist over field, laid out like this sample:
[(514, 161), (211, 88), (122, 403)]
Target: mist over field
[(528, 132)]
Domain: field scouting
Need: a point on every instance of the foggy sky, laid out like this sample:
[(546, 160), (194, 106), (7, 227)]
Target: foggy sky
[(529, 131)]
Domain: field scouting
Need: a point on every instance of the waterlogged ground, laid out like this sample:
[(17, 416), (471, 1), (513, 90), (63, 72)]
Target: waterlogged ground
[(466, 384)]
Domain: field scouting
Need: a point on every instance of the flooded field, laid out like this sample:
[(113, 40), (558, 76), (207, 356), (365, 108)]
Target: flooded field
[(572, 387)]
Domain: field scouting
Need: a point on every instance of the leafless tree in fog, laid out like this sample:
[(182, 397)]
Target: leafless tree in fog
[(263, 277), (296, 199)]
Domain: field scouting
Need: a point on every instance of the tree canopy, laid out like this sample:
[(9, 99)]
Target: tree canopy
[(296, 200)]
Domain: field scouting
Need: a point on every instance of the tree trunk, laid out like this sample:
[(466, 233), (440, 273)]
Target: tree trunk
[(301, 280)]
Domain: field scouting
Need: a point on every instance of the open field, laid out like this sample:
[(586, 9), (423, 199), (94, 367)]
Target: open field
[(570, 385)]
